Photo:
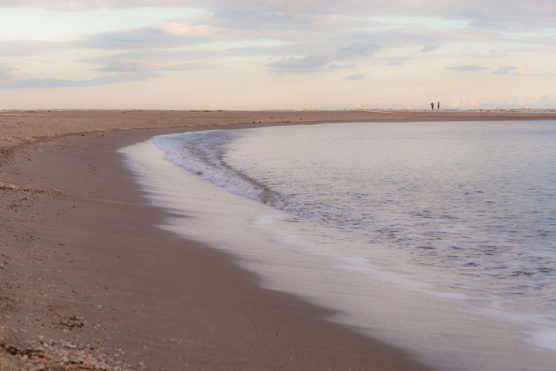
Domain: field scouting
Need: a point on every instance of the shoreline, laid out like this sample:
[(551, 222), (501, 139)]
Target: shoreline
[(20, 128), (63, 258), (387, 306), (90, 270)]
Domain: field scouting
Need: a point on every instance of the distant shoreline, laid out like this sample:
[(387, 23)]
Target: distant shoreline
[(20, 127)]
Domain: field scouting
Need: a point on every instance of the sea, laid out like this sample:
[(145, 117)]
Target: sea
[(436, 237)]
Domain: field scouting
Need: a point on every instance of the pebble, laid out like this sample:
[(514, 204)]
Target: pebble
[(61, 355)]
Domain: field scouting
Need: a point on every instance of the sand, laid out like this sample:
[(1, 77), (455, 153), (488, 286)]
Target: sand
[(23, 127), (87, 277)]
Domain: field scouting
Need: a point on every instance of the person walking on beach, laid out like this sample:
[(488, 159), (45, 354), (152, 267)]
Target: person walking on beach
[(432, 106), (438, 105)]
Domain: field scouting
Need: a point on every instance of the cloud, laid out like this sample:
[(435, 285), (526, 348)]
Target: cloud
[(297, 37), (429, 48), (182, 29), (142, 66), (317, 62), (308, 64), (8, 75), (394, 62), (480, 12), (162, 35), (25, 48), (515, 70), (79, 5), (466, 102), (250, 21), (22, 82), (272, 24), (466, 68), (148, 61), (355, 77), (541, 101), (360, 49), (403, 36)]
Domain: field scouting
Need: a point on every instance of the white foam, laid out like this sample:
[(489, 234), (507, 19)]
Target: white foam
[(543, 338), (538, 330), (201, 154)]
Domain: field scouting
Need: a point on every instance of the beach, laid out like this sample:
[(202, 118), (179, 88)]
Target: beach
[(87, 276)]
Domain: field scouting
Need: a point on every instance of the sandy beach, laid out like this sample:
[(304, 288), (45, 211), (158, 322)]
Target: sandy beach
[(89, 282)]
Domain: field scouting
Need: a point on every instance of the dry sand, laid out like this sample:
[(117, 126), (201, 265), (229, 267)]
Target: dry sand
[(86, 277)]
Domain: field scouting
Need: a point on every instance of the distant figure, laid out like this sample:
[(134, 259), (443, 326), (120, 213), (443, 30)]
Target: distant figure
[(432, 106), (438, 104)]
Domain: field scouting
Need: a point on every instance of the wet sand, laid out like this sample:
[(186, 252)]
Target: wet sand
[(85, 273)]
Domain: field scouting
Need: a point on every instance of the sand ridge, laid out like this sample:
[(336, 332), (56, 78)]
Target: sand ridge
[(22, 127)]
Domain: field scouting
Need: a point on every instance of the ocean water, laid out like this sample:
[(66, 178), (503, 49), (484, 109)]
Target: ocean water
[(451, 225)]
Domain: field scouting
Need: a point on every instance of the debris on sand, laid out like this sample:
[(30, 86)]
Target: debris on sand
[(59, 355), (34, 190)]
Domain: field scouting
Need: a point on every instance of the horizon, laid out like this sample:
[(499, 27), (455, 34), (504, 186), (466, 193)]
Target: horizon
[(276, 55), (286, 110)]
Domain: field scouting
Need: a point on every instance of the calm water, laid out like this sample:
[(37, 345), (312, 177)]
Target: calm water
[(476, 201), (438, 238)]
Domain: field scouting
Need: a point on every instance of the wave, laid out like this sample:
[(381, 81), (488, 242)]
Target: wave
[(202, 153)]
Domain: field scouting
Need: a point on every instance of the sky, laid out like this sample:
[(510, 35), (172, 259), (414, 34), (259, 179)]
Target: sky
[(270, 54)]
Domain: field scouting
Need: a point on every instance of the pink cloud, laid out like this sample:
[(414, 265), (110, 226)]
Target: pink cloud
[(516, 70)]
